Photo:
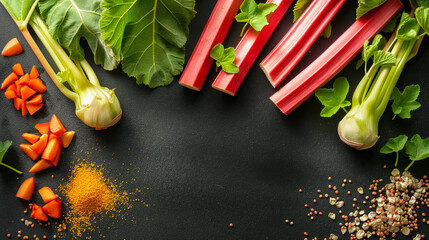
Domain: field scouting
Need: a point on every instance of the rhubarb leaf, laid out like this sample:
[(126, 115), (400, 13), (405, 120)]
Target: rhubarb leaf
[(19, 10), (405, 102), (383, 58), (254, 14), (335, 98), (366, 6), (423, 3), (148, 36), (299, 9), (422, 17), (4, 146), (394, 145), (417, 149), (326, 33), (408, 28), (71, 20), (369, 49), (224, 58), (390, 27)]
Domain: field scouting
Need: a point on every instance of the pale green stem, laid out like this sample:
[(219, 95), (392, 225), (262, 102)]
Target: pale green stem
[(409, 165), (11, 168), (30, 13), (89, 72), (397, 158), (244, 28)]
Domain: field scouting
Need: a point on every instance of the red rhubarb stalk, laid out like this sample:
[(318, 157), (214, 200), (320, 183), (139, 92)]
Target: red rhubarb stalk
[(335, 58), (283, 58), (214, 32), (248, 49)]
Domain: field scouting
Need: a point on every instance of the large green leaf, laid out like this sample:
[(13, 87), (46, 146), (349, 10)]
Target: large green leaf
[(18, 9), (71, 20), (149, 36)]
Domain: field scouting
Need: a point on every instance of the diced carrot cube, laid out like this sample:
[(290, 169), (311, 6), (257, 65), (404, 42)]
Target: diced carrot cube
[(47, 194), (26, 148), (17, 102), (9, 80), (24, 109), (38, 213), (12, 87), (37, 99), (43, 128), (57, 127), (10, 92), (40, 145), (17, 68), (37, 85), (12, 48), (26, 189), (26, 92), (34, 73), (42, 164), (66, 138), (51, 150), (24, 80), (58, 155), (31, 138), (33, 108), (53, 208)]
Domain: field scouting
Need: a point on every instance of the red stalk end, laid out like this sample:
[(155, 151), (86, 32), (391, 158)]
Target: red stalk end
[(335, 58)]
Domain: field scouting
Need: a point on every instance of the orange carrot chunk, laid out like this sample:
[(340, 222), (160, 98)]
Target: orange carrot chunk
[(18, 89), (67, 138), (38, 213), (33, 108), (31, 138), (57, 127), (37, 99), (10, 92), (9, 80), (24, 80), (51, 150), (26, 92), (24, 109), (37, 85), (42, 164), (26, 148), (17, 102), (43, 128), (17, 68), (52, 136), (58, 155), (47, 194), (12, 87), (34, 73), (40, 145), (12, 48), (26, 189), (53, 208)]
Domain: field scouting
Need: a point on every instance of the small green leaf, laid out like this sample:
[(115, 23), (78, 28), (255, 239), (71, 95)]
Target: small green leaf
[(224, 58), (299, 8), (4, 146), (254, 14), (394, 145), (382, 58), (369, 49), (417, 148), (390, 27), (335, 98), (422, 17), (423, 3), (408, 28), (404, 103), (327, 31), (366, 6)]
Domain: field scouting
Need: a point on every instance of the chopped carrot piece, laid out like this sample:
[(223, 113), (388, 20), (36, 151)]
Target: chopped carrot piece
[(37, 99), (31, 138), (12, 87), (42, 164), (66, 138), (17, 68), (26, 148), (53, 208), (24, 109), (52, 136), (51, 150), (33, 108), (38, 213), (57, 127), (58, 155), (26, 189), (12, 48), (17, 102), (27, 92), (40, 145), (18, 89), (34, 73), (10, 94), (43, 128), (37, 85), (9, 80), (24, 80), (47, 194)]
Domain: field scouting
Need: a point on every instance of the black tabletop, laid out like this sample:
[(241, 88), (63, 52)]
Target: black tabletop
[(203, 160)]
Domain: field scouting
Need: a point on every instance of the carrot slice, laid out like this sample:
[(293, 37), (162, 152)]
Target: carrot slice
[(51, 150), (26, 148), (27, 92), (58, 155), (42, 164), (34, 73), (37, 99), (26, 189), (9, 80), (38, 213), (12, 48), (24, 80), (17, 68), (40, 145), (37, 85), (17, 102), (57, 127), (53, 208), (24, 109), (18, 89), (43, 128), (66, 138), (12, 87), (33, 108), (47, 194), (10, 94), (31, 138)]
